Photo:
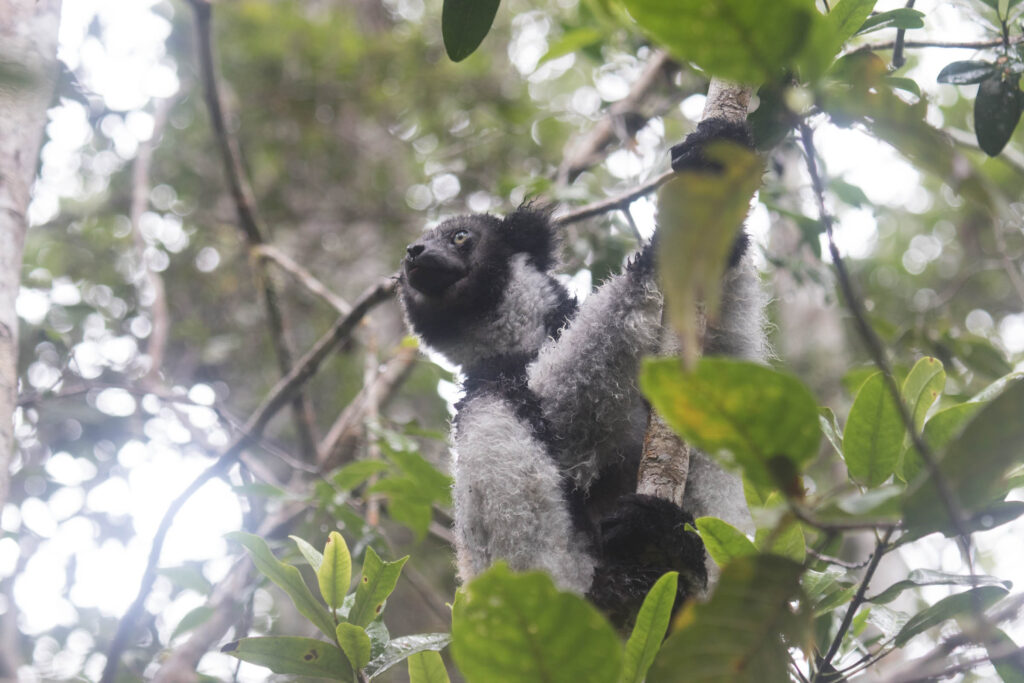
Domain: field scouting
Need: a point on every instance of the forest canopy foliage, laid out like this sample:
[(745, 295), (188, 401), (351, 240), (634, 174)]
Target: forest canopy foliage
[(230, 458)]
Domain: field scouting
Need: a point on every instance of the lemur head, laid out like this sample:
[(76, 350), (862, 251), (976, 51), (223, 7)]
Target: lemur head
[(477, 286)]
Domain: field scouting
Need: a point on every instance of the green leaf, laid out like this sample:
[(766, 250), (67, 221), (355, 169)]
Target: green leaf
[(874, 434), (922, 387), (335, 574), (435, 485), (354, 643), (786, 540), (292, 655), (767, 420), (831, 32), (975, 463), (830, 428), (380, 638), (897, 18), (827, 590), (997, 110), (966, 72), (763, 37), (938, 431), (723, 541), (573, 40), (947, 608), (313, 556), (186, 576), (352, 475), (1007, 658), (287, 578), (427, 667), (399, 649), (901, 83), (464, 25), (930, 577), (741, 634), (649, 629), (519, 628), (717, 201), (194, 618), (378, 580)]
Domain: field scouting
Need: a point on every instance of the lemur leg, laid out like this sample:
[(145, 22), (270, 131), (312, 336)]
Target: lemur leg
[(509, 501)]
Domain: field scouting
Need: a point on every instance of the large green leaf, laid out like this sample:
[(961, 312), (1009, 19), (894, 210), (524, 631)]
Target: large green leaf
[(767, 420), (354, 643), (464, 25), (874, 433), (948, 608), (762, 37), (649, 629), (723, 541), (743, 633), (938, 431), (699, 214), (975, 463), (398, 649), (287, 578), (427, 667), (519, 628), (292, 655), (902, 17), (335, 572), (378, 580), (830, 33)]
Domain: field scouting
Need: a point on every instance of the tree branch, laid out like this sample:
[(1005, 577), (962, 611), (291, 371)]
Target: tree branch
[(248, 221)]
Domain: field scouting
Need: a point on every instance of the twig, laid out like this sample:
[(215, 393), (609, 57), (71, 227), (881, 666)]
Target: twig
[(858, 600), (897, 52), (279, 396), (836, 561), (245, 206), (616, 203), (302, 276), (964, 45)]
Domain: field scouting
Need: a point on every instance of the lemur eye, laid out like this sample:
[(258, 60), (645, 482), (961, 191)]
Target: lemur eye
[(460, 237)]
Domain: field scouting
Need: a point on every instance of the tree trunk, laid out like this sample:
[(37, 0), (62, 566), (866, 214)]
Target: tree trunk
[(28, 42)]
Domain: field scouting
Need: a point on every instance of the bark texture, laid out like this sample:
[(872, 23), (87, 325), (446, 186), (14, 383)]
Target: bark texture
[(28, 42)]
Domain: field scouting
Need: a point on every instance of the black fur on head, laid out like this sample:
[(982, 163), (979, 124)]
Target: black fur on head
[(459, 271)]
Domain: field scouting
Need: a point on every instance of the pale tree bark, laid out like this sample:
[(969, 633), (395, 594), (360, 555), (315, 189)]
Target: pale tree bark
[(28, 42)]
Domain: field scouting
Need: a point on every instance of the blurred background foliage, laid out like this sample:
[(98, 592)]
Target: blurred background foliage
[(356, 132)]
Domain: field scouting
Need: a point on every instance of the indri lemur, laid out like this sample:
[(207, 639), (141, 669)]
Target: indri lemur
[(549, 433)]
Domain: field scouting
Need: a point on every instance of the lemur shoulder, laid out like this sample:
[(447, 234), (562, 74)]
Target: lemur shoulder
[(548, 435)]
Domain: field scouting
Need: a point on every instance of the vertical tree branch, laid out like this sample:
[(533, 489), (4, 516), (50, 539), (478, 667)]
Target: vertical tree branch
[(249, 223), (28, 38), (665, 463)]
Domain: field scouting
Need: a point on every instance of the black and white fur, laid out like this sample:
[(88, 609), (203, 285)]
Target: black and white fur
[(548, 435)]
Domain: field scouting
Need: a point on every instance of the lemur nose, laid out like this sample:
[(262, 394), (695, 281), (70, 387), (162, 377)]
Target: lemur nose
[(414, 250)]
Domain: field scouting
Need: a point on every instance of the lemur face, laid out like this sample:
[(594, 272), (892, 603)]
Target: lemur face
[(435, 264)]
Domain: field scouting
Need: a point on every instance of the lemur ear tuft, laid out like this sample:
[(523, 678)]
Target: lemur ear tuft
[(529, 230)]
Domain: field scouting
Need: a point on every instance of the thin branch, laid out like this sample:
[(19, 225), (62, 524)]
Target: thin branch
[(877, 352), (280, 395), (248, 221), (858, 600), (964, 45), (821, 557), (616, 203), (898, 59), (302, 276)]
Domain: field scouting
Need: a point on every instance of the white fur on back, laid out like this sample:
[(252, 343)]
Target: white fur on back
[(508, 500)]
